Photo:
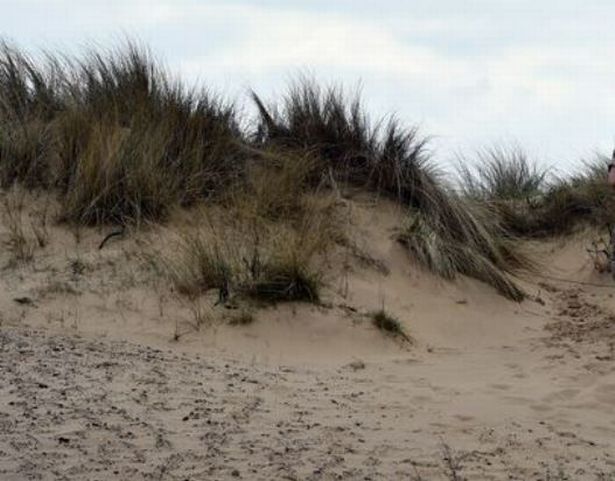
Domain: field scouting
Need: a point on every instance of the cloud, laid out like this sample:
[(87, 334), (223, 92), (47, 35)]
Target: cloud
[(470, 81), (471, 71), (294, 40)]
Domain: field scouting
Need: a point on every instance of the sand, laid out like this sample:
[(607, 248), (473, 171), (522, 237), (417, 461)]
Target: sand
[(106, 376)]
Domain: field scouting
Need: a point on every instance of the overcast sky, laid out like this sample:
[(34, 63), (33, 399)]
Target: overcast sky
[(470, 73)]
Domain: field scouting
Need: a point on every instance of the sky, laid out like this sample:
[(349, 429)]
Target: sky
[(470, 73)]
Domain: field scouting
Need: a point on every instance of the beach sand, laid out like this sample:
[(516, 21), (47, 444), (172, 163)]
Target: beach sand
[(108, 376)]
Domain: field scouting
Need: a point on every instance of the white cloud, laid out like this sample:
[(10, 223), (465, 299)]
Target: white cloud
[(469, 71), (272, 39)]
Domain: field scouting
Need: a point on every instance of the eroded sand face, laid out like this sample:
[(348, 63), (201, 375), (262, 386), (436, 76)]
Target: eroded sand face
[(95, 386)]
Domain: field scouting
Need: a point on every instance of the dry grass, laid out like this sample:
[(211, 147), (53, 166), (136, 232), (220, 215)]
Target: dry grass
[(531, 204), (243, 317), (120, 140), (25, 232), (269, 261), (582, 199), (446, 235), (334, 126), (468, 241), (389, 324), (266, 240), (113, 133), (502, 173)]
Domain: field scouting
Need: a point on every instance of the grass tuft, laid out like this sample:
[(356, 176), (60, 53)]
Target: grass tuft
[(267, 263), (286, 281), (113, 133), (529, 204), (242, 249), (334, 126), (387, 158), (473, 245), (502, 174), (389, 324)]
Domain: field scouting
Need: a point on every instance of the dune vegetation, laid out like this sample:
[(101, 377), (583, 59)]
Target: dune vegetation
[(119, 140), (537, 202)]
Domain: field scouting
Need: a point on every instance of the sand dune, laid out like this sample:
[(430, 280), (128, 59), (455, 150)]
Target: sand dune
[(108, 376)]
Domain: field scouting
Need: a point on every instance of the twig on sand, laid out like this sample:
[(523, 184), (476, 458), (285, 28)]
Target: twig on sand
[(115, 233), (452, 463)]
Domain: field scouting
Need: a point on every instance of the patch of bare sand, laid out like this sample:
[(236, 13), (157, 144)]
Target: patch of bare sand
[(107, 375)]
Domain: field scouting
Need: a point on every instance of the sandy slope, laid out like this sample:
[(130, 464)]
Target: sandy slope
[(95, 387)]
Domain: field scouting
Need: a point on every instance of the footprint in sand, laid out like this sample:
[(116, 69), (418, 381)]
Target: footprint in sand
[(563, 395), (464, 418), (606, 394), (422, 399), (541, 408), (518, 399), (500, 387)]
